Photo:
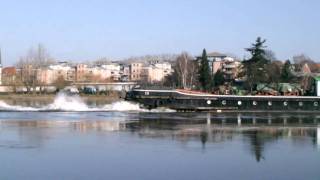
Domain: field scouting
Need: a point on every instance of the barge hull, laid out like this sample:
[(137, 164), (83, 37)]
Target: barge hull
[(183, 101)]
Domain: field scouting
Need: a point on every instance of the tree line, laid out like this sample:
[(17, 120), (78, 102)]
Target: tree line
[(189, 72), (261, 68)]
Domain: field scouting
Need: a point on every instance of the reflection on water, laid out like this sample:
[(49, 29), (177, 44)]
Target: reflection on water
[(256, 135), (256, 130)]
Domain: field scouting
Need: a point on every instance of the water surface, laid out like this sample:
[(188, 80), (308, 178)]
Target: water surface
[(158, 145)]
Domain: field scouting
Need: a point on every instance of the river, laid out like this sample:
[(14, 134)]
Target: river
[(68, 139)]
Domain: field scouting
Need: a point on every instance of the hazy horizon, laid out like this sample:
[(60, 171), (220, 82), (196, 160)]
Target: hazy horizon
[(82, 30)]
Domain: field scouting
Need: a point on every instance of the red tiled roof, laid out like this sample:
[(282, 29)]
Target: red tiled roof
[(9, 71)]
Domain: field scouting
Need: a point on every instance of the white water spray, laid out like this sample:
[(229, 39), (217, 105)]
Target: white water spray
[(64, 102), (122, 106)]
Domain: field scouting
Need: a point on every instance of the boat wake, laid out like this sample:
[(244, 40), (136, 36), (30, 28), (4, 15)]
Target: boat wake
[(6, 107), (65, 103)]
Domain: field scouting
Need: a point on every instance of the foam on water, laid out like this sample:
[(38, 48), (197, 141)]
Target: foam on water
[(131, 106), (122, 106), (6, 107), (63, 102)]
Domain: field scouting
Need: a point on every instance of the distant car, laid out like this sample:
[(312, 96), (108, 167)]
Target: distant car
[(49, 89), (21, 90), (89, 90), (71, 90), (36, 89)]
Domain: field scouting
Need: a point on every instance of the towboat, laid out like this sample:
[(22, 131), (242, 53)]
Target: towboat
[(182, 100)]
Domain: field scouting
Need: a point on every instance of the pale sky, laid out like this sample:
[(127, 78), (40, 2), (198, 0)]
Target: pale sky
[(85, 30)]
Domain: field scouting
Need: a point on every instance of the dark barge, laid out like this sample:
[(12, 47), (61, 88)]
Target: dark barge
[(181, 100)]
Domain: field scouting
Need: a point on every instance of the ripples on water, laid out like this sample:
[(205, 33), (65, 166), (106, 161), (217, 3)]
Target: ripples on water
[(122, 143)]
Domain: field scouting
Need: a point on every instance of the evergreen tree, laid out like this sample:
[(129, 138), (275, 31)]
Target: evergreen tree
[(219, 78), (205, 77), (255, 67), (286, 75), (258, 52)]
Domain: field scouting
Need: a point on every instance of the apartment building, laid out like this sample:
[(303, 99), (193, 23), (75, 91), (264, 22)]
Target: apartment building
[(136, 69), (228, 65)]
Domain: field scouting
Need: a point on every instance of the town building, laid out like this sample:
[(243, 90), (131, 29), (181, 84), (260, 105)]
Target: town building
[(27, 74), (30, 75), (156, 72), (226, 64), (113, 71), (124, 72), (216, 60), (63, 69), (135, 71), (48, 75), (80, 72), (9, 75), (230, 68), (98, 73)]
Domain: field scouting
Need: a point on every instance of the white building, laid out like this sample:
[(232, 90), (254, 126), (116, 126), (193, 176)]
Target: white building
[(98, 73), (50, 74), (113, 70), (63, 69), (46, 76), (156, 72)]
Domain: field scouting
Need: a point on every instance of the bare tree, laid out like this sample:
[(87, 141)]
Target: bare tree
[(60, 82), (303, 59), (182, 68), (28, 76), (270, 55), (193, 72), (31, 62), (102, 61), (186, 70), (37, 58), (147, 59)]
